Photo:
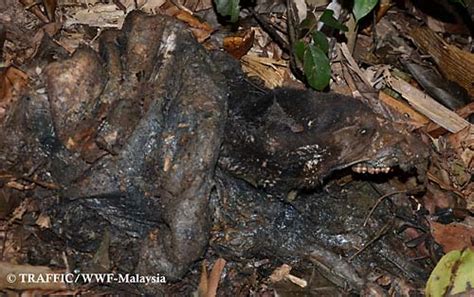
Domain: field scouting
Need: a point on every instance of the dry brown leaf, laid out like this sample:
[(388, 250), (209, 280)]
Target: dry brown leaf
[(208, 284), (203, 284), (441, 177), (201, 35), (214, 277), (150, 6), (271, 71), (463, 144), (197, 5), (201, 30), (413, 117), (264, 45), (240, 44), (12, 81), (49, 29), (99, 15), (455, 236)]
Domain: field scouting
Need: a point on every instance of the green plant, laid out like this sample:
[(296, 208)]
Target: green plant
[(228, 8), (453, 275), (362, 7), (312, 50), (314, 54)]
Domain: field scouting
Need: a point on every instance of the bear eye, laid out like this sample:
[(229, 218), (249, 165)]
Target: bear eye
[(362, 131)]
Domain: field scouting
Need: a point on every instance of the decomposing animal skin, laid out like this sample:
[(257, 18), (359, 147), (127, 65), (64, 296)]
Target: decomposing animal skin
[(132, 135), (291, 139)]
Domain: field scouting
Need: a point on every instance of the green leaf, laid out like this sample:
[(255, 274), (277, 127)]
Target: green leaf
[(316, 67), (228, 8), (321, 41), (328, 19), (440, 276), (464, 276), (363, 7), (454, 272), (299, 49), (309, 23)]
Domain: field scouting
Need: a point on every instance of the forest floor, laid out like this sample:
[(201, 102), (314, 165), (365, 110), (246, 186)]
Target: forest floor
[(412, 64)]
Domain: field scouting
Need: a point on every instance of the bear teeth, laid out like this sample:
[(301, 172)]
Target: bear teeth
[(370, 169)]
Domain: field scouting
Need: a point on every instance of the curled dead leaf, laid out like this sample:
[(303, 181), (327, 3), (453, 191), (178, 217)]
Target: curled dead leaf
[(200, 29), (239, 45), (12, 81)]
